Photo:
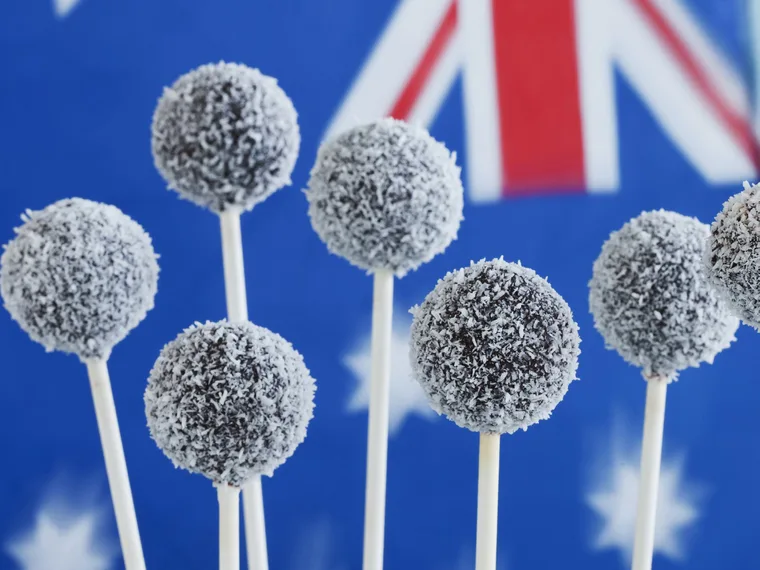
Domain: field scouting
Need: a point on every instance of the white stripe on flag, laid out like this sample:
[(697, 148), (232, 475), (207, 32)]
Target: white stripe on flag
[(677, 104), (439, 83), (596, 81), (723, 77), (481, 105), (391, 63), (754, 26)]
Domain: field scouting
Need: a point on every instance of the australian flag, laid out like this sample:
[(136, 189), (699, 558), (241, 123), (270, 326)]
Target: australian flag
[(569, 117)]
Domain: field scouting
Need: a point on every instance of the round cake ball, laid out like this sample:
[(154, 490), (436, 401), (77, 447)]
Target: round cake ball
[(651, 298), (78, 276), (494, 347), (733, 254), (229, 401), (385, 196), (225, 135)]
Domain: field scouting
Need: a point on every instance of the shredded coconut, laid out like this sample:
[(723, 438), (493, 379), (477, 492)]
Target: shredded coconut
[(385, 196), (229, 401), (78, 276), (494, 347), (225, 135), (651, 298), (733, 254)]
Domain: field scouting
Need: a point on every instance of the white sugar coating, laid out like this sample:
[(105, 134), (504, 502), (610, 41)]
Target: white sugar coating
[(733, 254), (494, 347), (229, 401), (78, 276), (225, 135), (385, 196), (651, 298)]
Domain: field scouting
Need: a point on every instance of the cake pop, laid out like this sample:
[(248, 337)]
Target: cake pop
[(495, 348), (229, 401), (651, 299), (225, 136), (733, 254), (78, 276), (653, 303), (387, 197)]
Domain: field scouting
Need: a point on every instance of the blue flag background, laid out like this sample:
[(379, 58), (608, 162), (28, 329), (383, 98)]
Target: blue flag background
[(76, 99)]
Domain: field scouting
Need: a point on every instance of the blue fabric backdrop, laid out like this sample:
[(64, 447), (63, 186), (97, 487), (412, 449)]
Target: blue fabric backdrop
[(76, 98)]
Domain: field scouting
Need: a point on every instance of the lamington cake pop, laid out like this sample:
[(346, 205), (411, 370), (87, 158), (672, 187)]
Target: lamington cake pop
[(225, 135), (733, 254), (229, 401), (652, 302), (651, 298), (78, 276), (385, 196), (494, 347)]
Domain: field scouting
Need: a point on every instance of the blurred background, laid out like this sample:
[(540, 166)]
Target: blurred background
[(568, 118)]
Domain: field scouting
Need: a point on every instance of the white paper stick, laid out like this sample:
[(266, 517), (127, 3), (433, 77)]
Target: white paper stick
[(651, 455), (255, 529), (377, 437), (229, 527), (116, 465), (234, 270), (237, 311), (488, 502)]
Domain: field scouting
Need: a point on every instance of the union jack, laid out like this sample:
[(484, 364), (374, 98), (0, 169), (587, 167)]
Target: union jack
[(539, 89)]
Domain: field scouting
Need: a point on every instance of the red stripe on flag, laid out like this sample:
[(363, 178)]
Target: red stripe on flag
[(737, 125), (408, 97), (537, 78)]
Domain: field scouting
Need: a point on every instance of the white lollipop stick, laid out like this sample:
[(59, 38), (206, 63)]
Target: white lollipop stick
[(237, 311), (488, 502), (234, 270), (229, 527), (651, 455), (377, 437), (255, 529), (116, 465)]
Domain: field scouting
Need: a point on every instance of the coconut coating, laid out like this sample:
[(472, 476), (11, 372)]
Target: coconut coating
[(225, 135), (385, 196), (78, 276), (229, 401), (494, 347), (651, 298), (733, 254)]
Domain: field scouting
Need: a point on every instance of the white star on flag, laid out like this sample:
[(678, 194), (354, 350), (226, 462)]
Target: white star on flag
[(614, 498), (406, 395), (58, 542), (64, 7)]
